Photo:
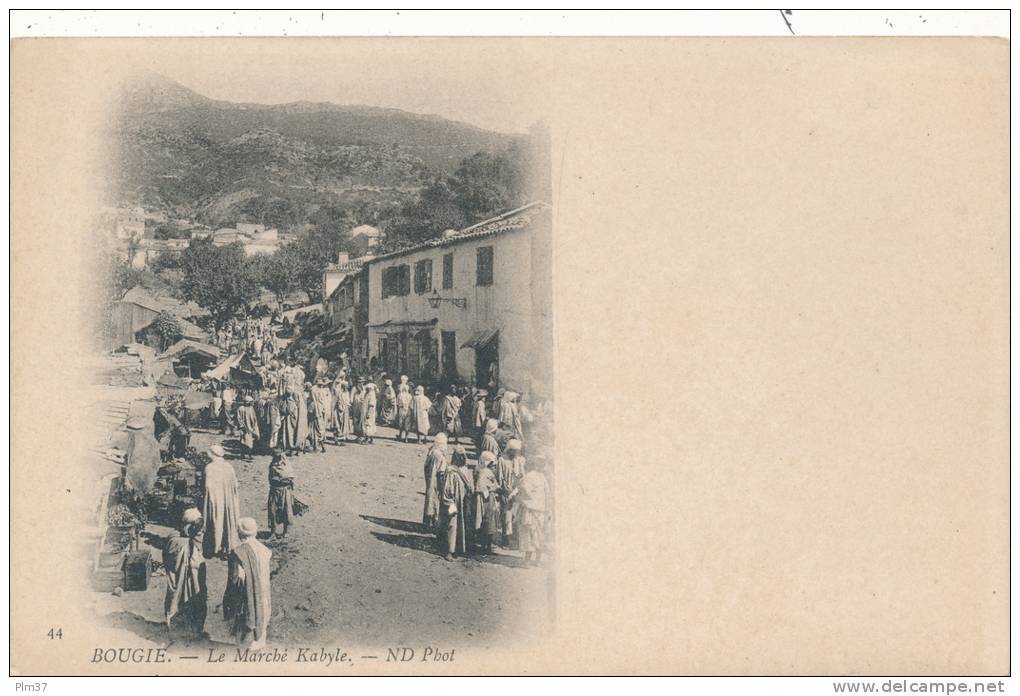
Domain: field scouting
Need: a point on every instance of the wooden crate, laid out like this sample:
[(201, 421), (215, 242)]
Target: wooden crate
[(137, 570)]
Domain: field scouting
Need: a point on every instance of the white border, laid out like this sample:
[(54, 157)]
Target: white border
[(766, 22), (38, 23)]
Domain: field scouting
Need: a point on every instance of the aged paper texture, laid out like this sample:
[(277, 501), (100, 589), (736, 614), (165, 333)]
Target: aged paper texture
[(777, 290)]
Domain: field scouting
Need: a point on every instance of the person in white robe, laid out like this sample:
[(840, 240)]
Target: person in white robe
[(221, 507)]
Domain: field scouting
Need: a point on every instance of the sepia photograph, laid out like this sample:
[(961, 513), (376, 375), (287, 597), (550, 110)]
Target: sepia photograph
[(510, 351), (323, 373)]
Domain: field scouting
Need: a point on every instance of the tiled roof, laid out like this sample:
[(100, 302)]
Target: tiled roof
[(511, 220), (185, 345), (141, 297)]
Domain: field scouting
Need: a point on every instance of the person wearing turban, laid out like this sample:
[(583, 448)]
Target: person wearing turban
[(405, 422), (509, 471), (185, 603), (489, 443), (420, 406), (247, 602)]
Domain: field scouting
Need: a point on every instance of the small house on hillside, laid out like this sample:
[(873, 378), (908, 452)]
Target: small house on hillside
[(366, 237)]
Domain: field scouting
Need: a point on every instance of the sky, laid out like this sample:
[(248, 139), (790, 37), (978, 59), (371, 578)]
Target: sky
[(494, 85)]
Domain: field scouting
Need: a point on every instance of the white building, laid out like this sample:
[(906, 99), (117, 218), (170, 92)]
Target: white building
[(250, 228), (336, 272), (366, 237), (472, 306)]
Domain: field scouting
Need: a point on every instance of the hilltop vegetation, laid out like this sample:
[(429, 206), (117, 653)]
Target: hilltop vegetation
[(218, 163)]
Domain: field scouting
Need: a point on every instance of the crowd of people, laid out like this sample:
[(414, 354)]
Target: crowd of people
[(497, 498), (492, 496)]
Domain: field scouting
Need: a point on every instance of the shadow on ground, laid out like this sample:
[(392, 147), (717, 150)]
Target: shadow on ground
[(400, 525), (419, 542)]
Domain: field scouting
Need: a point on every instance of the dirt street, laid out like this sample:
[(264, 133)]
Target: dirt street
[(357, 569)]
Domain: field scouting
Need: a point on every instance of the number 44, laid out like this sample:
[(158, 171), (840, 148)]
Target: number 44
[(56, 633)]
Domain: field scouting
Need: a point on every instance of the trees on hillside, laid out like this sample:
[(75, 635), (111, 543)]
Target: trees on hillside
[(306, 258), (484, 185), (218, 278), (276, 273)]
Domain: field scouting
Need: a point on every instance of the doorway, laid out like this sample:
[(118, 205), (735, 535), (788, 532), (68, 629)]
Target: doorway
[(449, 355), (487, 364)]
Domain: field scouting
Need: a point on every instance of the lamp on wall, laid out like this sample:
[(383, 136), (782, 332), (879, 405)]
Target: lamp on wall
[(435, 300)]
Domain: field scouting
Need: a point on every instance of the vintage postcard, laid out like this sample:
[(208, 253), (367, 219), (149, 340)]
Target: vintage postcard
[(509, 356)]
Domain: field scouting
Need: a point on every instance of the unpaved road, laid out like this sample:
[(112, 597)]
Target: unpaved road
[(357, 569)]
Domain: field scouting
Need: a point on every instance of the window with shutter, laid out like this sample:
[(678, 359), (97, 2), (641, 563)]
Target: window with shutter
[(447, 271), (405, 280), (423, 276), (485, 260)]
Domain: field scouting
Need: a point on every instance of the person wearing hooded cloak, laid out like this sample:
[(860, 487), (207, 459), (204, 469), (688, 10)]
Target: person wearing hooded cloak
[(275, 418), (457, 490), (248, 424), (221, 508), (357, 396), (449, 415), (320, 411), (509, 472), (368, 412), (302, 431), (487, 509), (289, 414), (435, 466), (510, 416), (342, 412), (388, 404)]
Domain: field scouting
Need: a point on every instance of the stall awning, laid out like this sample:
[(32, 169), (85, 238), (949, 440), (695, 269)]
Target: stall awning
[(391, 326), (481, 339), (338, 330)]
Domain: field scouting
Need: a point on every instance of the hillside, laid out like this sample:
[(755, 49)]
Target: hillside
[(218, 162)]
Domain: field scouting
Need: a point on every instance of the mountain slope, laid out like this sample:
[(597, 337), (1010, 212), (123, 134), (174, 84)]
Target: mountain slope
[(219, 162)]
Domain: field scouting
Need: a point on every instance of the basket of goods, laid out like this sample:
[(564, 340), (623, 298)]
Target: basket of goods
[(197, 460), (120, 516)]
